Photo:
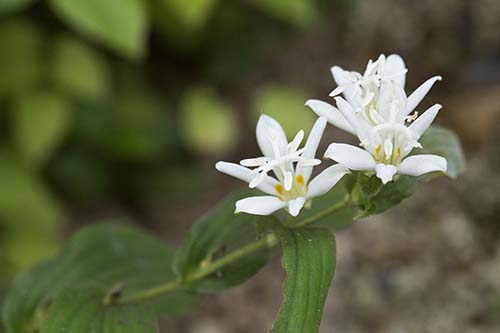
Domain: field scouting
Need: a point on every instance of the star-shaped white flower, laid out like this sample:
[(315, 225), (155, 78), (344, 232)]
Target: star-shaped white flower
[(375, 109), (292, 167)]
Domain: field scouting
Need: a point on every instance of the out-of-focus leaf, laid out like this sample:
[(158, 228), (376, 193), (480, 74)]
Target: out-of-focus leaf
[(8, 6), (336, 221), (300, 13), (122, 25), (208, 123), (78, 69), (217, 234), (20, 58), (115, 259), (29, 213), (286, 105), (309, 260), (443, 142), (82, 311), (41, 121), (92, 174), (190, 15)]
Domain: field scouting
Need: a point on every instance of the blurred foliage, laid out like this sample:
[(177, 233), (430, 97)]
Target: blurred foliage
[(88, 114)]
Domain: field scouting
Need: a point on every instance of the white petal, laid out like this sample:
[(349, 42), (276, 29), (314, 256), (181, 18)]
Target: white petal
[(264, 205), (259, 178), (350, 156), (269, 129), (395, 65), (336, 91), (331, 113), (310, 148), (419, 126), (418, 95), (294, 206), (254, 162), (359, 125), (245, 174), (327, 179), (288, 181), (308, 163), (295, 143), (421, 164), (385, 172)]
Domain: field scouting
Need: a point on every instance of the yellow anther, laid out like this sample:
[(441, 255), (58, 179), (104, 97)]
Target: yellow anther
[(377, 150), (279, 189), (300, 180)]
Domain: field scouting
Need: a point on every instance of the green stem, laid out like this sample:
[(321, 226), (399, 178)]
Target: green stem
[(269, 241), (340, 205)]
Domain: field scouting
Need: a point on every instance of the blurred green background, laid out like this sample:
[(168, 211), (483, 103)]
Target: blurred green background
[(121, 107)]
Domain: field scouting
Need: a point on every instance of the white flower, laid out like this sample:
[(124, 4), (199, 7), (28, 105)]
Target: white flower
[(375, 108), (292, 167)]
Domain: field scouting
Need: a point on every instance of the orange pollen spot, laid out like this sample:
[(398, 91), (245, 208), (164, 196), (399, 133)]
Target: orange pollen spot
[(279, 188), (377, 150), (399, 152), (300, 180)]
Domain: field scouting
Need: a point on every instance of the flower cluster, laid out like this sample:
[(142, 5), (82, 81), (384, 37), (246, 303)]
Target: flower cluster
[(374, 107)]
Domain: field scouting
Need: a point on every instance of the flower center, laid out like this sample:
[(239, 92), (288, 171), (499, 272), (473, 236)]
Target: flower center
[(298, 189)]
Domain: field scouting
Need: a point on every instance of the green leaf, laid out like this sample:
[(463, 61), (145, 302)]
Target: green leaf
[(208, 123), (78, 69), (286, 105), (190, 15), (309, 260), (82, 311), (20, 59), (443, 142), (120, 24), (338, 220), (372, 196), (300, 13), (9, 6), (30, 234), (41, 121), (105, 256), (216, 235)]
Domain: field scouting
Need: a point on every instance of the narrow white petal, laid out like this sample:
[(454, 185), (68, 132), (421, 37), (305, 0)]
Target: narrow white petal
[(350, 156), (385, 172), (254, 162), (418, 95), (310, 148), (294, 206), (339, 76), (331, 113), (395, 65), (421, 164), (259, 178), (422, 123), (336, 91), (247, 175), (264, 205), (356, 123), (269, 129), (288, 181), (327, 179), (295, 143), (308, 163)]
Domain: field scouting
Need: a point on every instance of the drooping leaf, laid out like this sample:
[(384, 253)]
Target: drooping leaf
[(78, 69), (443, 142), (41, 121), (217, 234), (208, 123), (9, 6), (20, 58), (122, 25), (105, 256), (286, 105), (309, 260), (82, 311)]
